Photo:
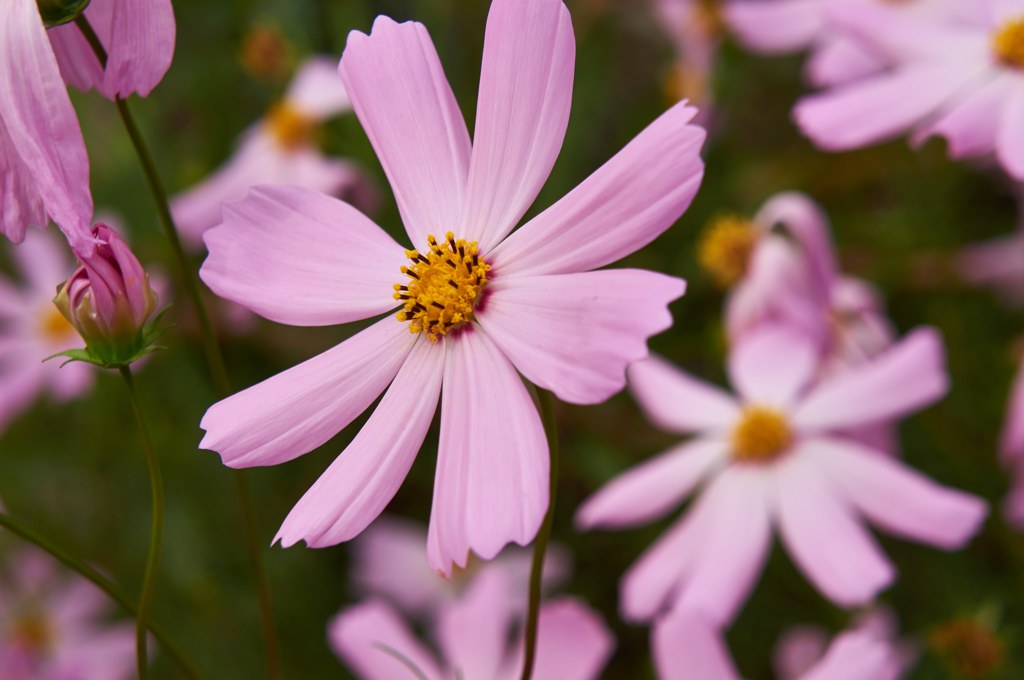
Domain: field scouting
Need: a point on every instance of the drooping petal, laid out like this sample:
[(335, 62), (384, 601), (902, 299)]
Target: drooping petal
[(652, 489), (1011, 439), (772, 365), (623, 206), (41, 123), (575, 334), (79, 65), (491, 485), (473, 631), (402, 98), (573, 642), (522, 112), (686, 647), (361, 481), (141, 47), (777, 26), (374, 641), (316, 89), (807, 222), (297, 410), (858, 655), (897, 498), (842, 59), (906, 377), (21, 205), (676, 401), (299, 257), (970, 125), (824, 538), (1010, 137)]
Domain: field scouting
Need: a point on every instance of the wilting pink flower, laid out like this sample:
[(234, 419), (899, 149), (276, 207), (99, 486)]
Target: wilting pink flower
[(473, 633), (32, 329), (280, 149), (963, 80), (138, 36), (479, 306), (686, 646), (53, 627), (389, 563), (44, 169), (695, 30), (772, 457)]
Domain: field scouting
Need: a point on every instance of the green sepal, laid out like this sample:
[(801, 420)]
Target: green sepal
[(149, 334), (57, 12)]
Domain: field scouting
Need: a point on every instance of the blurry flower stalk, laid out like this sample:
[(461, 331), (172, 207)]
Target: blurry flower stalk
[(108, 300)]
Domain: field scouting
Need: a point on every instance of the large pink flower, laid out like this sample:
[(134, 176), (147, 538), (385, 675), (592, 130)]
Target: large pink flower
[(479, 306), (280, 149), (44, 169), (573, 642), (771, 457), (960, 79)]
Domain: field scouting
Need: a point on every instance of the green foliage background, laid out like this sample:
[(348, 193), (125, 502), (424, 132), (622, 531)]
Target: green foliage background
[(76, 472)]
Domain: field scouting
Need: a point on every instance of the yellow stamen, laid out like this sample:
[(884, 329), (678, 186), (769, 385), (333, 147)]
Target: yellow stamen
[(289, 126), (54, 327), (444, 284), (1008, 43), (725, 248), (763, 434), (33, 632)]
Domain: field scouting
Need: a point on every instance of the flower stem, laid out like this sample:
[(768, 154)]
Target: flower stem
[(104, 584), (156, 534), (540, 545)]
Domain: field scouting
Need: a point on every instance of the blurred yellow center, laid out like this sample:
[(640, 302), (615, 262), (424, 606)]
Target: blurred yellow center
[(761, 435), (1008, 43), (969, 647), (725, 248), (289, 127), (443, 286), (685, 82), (54, 327), (33, 632)]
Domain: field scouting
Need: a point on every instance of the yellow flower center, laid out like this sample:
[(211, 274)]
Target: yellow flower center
[(969, 647), (762, 434), (443, 286), (1008, 43), (725, 248), (685, 82), (53, 326), (33, 632), (289, 127)]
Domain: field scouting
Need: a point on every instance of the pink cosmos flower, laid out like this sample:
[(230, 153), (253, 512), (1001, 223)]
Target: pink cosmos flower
[(32, 329), (473, 635), (476, 307), (53, 627), (963, 80), (771, 457), (138, 36), (44, 169), (280, 149)]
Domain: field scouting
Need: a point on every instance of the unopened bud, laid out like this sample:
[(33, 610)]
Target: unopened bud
[(56, 12)]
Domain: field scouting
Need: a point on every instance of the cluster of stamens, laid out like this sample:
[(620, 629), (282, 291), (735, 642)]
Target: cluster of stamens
[(443, 286), (725, 248), (762, 434), (1008, 43), (290, 127)]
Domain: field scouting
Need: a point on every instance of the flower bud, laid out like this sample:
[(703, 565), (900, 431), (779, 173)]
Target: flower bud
[(108, 300), (56, 12)]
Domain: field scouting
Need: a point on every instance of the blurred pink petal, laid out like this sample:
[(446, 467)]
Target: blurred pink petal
[(573, 643), (678, 402), (575, 334), (685, 647), (773, 26), (971, 124), (370, 636), (858, 654), (473, 631), (316, 89), (842, 60), (772, 366), (998, 263), (797, 650), (1010, 135), (21, 204)]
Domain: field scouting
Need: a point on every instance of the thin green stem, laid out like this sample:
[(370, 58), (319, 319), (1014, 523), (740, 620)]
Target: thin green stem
[(104, 584), (156, 533), (543, 536)]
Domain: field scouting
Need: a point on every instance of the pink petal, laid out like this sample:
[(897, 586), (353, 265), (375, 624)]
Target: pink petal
[(905, 378), (652, 489), (772, 365), (296, 411), (898, 499), (44, 263), (623, 206), (997, 262), (858, 655), (20, 202), (676, 401), (573, 642), (798, 649), (79, 65), (1011, 439), (970, 124), (316, 89), (302, 258), (19, 388), (1010, 137), (361, 481), (775, 26), (402, 98), (575, 334), (473, 632), (141, 47), (807, 222), (521, 116), (367, 637), (1013, 503), (840, 60), (825, 539), (41, 123), (686, 647), (491, 485)]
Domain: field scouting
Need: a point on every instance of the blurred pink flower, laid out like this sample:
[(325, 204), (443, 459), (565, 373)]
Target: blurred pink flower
[(473, 634), (526, 302), (281, 149), (32, 329), (138, 36), (960, 79), (389, 562), (772, 457), (44, 168), (998, 263), (54, 628), (695, 31)]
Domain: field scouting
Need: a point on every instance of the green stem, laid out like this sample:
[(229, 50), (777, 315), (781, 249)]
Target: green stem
[(104, 584), (156, 534), (256, 557), (543, 536)]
